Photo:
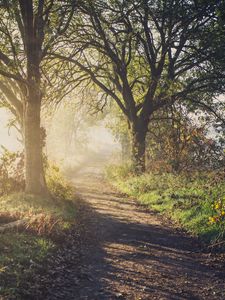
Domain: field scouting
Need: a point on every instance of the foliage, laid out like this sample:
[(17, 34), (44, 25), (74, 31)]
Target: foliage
[(146, 56), (12, 176), (28, 73), (177, 140), (11, 172), (178, 143), (122, 172), (58, 186), (219, 215), (186, 198)]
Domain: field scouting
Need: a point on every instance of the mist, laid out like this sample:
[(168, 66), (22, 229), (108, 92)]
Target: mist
[(80, 142), (8, 136), (85, 144)]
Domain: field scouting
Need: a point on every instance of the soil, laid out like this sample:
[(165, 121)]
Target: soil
[(119, 250)]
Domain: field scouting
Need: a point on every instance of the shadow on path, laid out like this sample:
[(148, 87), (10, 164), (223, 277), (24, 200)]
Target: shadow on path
[(124, 252)]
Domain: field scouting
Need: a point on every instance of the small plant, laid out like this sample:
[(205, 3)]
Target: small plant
[(45, 221), (218, 215), (11, 172), (186, 198), (58, 186), (119, 171)]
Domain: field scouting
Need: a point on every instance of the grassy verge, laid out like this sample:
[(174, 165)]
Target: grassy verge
[(188, 200), (46, 223)]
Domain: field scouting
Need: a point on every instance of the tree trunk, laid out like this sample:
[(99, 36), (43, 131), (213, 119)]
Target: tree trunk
[(138, 148), (34, 173)]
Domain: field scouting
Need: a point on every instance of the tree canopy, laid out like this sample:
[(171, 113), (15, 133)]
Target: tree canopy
[(146, 55)]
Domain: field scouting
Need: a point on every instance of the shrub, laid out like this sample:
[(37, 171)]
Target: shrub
[(11, 172), (119, 171), (12, 177), (58, 186)]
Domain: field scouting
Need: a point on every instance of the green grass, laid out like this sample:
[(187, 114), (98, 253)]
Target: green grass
[(19, 252), (187, 200), (27, 205), (47, 218)]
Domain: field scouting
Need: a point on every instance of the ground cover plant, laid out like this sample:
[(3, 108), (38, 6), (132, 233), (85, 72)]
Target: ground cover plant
[(195, 201), (45, 221)]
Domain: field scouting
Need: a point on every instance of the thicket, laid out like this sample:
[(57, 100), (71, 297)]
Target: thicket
[(11, 172)]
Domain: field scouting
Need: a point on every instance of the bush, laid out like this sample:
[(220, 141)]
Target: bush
[(58, 186), (11, 172), (42, 214), (12, 176), (119, 171)]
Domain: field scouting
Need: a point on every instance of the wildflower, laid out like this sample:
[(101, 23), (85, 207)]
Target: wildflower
[(218, 205), (212, 220)]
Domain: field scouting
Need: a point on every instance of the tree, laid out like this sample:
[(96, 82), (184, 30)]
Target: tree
[(28, 29), (146, 55), (183, 141)]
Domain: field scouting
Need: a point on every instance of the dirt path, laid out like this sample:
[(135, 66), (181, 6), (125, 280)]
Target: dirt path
[(125, 252)]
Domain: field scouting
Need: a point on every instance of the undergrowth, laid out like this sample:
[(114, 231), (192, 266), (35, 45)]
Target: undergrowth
[(188, 199), (46, 222)]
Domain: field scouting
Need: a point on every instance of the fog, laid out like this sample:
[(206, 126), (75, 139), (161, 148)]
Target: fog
[(79, 141), (8, 137), (70, 145)]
